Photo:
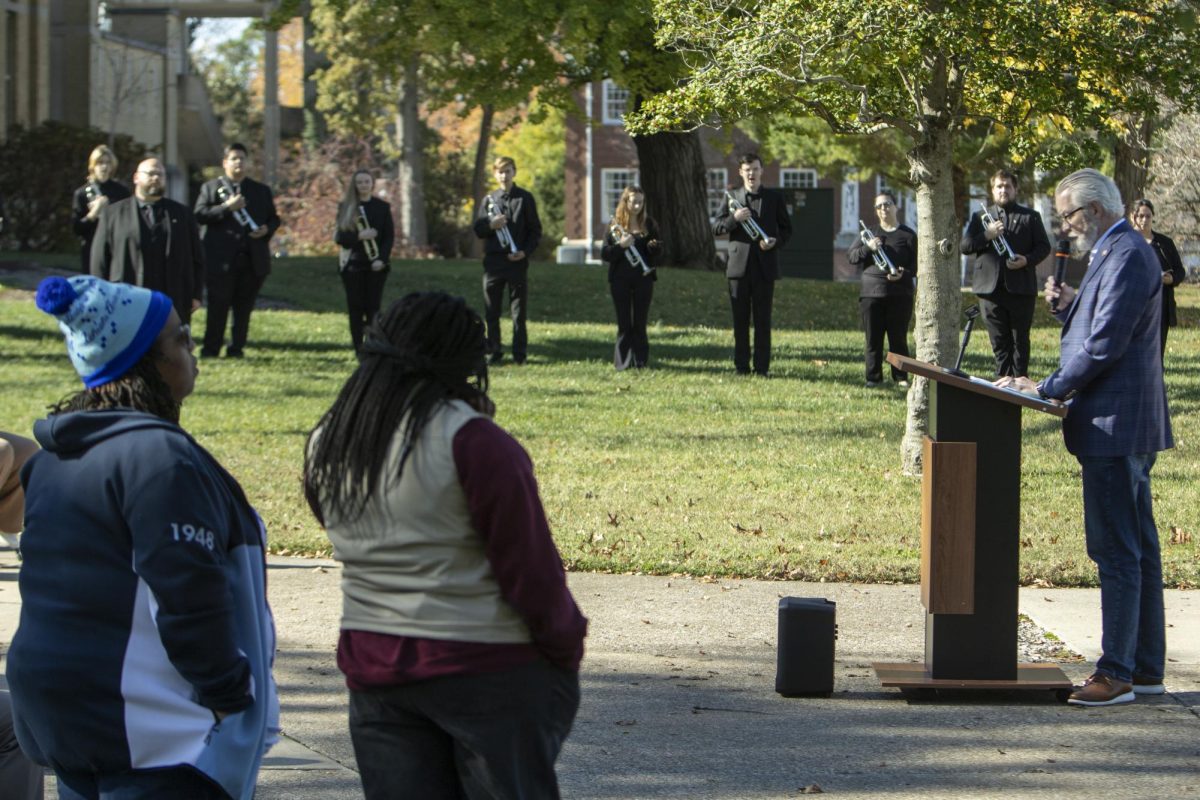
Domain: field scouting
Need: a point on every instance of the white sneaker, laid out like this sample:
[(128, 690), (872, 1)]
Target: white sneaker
[(11, 540)]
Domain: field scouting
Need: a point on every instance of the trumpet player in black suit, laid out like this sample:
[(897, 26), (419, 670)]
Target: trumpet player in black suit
[(886, 255), (756, 221), (1173, 272), (365, 233), (631, 248), (239, 219), (92, 198), (1008, 241), (510, 228)]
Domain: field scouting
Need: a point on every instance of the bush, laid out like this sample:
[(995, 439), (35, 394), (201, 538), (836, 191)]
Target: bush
[(40, 168)]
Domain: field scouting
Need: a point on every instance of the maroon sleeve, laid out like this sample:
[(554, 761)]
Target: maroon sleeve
[(502, 498)]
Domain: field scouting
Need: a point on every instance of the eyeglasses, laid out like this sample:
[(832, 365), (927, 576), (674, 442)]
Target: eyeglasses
[(1065, 219), (884, 204)]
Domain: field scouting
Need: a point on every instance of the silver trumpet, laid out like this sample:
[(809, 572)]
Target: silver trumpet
[(1000, 243), (878, 256), (503, 234), (750, 226), (91, 190), (369, 245), (224, 192), (632, 254)]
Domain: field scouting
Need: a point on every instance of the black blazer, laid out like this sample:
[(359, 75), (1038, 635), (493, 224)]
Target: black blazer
[(523, 224), (117, 252), (1026, 235), (618, 264), (224, 237), (1168, 256), (770, 211), (85, 229), (379, 217), (901, 247)]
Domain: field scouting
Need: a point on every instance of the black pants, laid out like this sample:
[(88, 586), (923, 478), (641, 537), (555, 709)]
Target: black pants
[(364, 295), (494, 284), (473, 736), (885, 315), (236, 289), (20, 778), (751, 296), (631, 293), (1008, 318)]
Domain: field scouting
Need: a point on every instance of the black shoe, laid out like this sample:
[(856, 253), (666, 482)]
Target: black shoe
[(209, 354), (234, 354), (495, 358)]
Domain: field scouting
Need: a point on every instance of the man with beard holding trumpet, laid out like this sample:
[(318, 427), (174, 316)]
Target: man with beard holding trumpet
[(1110, 373)]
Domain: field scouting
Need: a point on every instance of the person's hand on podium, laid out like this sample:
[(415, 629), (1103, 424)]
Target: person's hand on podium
[(1019, 383)]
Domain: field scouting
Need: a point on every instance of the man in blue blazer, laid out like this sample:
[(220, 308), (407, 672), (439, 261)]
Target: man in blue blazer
[(1110, 373)]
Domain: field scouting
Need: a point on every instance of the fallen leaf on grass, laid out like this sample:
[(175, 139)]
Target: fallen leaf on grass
[(1179, 536)]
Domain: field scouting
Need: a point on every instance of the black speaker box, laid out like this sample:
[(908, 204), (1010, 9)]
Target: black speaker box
[(807, 631)]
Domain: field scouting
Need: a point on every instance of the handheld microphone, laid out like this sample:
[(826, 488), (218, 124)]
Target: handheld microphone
[(1062, 251)]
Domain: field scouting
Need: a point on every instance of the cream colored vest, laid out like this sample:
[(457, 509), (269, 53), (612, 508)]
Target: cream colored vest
[(413, 564)]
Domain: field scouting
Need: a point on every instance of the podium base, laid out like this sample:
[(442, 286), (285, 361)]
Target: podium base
[(1033, 677)]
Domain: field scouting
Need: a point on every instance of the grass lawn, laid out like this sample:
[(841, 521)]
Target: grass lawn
[(682, 468)]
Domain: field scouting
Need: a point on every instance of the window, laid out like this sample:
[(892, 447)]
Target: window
[(614, 99), (798, 178), (717, 184), (612, 183)]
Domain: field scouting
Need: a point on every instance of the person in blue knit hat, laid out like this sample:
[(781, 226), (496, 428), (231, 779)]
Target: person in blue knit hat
[(141, 667)]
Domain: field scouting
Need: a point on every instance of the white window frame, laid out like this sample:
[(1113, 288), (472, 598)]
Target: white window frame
[(612, 183), (798, 178), (717, 183), (614, 102)]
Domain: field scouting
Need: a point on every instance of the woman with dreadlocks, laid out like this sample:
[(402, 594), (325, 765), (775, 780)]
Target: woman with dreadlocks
[(460, 641), (142, 664)]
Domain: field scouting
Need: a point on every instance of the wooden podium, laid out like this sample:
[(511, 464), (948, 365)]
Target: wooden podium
[(970, 538)]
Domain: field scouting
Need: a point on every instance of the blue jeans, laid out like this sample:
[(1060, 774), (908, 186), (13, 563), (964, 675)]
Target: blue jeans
[(1123, 541), (178, 783), (465, 737)]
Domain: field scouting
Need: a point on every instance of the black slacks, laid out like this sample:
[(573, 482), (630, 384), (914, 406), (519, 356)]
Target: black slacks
[(494, 284), (236, 289), (751, 297), (1008, 318), (476, 737), (880, 316), (364, 295), (631, 294)]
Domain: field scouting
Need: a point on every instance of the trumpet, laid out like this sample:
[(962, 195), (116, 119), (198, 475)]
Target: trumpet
[(503, 234), (632, 254), (750, 226), (878, 256), (1000, 243), (91, 190), (369, 245), (224, 192)]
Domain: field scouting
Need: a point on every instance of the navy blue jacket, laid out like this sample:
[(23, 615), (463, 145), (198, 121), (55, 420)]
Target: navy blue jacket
[(143, 605), (1111, 365)]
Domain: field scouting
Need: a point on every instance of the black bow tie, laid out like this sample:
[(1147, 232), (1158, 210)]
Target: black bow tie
[(750, 198)]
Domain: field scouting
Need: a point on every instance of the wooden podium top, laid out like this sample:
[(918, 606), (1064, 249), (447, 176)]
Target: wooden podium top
[(976, 385)]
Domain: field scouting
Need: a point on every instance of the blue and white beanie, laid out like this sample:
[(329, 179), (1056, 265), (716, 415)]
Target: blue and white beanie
[(109, 326)]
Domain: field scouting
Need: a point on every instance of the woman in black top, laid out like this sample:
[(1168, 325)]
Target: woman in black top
[(886, 298), (1168, 257), (92, 198), (366, 247), (631, 249)]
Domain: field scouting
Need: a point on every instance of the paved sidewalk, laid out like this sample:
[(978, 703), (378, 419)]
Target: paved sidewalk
[(679, 702)]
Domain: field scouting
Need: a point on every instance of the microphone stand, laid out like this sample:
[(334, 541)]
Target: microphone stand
[(971, 314)]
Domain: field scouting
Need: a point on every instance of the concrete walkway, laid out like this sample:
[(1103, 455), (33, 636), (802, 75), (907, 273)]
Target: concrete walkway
[(679, 701)]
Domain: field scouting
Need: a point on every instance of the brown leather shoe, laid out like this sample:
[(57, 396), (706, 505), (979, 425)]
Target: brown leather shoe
[(1102, 690)]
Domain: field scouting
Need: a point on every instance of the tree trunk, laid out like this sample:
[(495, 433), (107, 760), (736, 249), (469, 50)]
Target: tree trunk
[(1132, 158), (411, 172), (939, 293), (479, 175), (674, 179)]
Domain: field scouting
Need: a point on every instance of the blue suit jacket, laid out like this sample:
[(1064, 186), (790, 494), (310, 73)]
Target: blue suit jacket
[(1110, 354)]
